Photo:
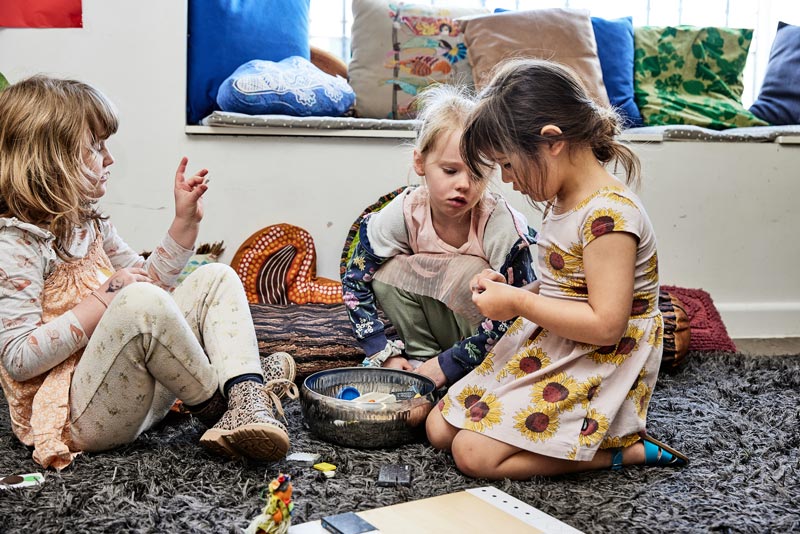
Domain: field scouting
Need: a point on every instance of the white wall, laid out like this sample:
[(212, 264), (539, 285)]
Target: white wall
[(725, 214)]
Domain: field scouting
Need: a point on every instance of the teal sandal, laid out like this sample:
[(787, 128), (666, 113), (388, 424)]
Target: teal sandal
[(616, 459), (660, 454), (656, 453)]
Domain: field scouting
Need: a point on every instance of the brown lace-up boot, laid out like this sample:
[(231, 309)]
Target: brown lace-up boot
[(278, 365), (249, 427)]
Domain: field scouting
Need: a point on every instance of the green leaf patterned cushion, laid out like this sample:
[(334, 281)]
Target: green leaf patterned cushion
[(691, 75)]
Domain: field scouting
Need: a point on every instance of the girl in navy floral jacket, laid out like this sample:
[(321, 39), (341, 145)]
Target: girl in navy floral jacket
[(415, 256)]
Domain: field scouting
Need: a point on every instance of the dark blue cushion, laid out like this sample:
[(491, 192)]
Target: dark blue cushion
[(292, 86), (614, 40), (223, 34), (779, 100)]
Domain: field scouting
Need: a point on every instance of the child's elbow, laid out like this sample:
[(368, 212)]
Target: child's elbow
[(611, 333)]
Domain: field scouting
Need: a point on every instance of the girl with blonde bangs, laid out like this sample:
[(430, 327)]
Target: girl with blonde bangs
[(415, 254)]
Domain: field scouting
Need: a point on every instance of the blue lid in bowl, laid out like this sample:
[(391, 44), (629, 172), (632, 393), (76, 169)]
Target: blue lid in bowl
[(348, 393)]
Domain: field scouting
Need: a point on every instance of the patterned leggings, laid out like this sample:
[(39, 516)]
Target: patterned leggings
[(152, 347)]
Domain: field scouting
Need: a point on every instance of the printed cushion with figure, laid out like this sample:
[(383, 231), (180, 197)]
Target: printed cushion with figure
[(399, 49), (293, 86), (693, 76), (779, 99), (223, 34)]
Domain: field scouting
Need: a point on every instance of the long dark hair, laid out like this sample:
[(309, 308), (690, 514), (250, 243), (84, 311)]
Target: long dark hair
[(525, 95)]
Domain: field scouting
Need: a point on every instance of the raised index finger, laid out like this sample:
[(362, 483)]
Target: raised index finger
[(181, 170)]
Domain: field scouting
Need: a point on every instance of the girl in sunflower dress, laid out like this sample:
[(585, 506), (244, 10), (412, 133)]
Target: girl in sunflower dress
[(566, 389)]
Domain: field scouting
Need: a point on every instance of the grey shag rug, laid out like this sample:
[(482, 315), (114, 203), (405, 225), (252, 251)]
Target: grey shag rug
[(737, 417)]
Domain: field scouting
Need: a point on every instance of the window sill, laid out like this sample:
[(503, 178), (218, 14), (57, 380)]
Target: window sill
[(226, 123), (298, 132)]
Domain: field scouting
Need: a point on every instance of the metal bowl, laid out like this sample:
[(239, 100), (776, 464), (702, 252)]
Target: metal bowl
[(366, 425)]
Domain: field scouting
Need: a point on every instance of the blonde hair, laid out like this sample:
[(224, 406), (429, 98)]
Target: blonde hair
[(525, 95), (442, 108), (44, 123)]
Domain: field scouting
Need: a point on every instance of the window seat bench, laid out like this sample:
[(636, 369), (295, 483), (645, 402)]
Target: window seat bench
[(227, 123)]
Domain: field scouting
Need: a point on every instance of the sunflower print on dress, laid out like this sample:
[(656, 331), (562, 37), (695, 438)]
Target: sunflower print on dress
[(643, 304), (601, 222), (445, 404), (562, 264), (536, 337), (558, 392), (515, 328), (589, 389), (596, 194), (657, 333), (536, 423), (640, 394), (574, 288), (481, 412), (617, 196), (526, 361), (651, 271), (594, 428), (487, 365), (618, 353)]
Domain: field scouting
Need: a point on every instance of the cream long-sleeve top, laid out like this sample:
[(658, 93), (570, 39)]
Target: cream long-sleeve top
[(27, 258)]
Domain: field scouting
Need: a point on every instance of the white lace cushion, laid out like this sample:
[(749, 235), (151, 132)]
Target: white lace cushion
[(293, 86)]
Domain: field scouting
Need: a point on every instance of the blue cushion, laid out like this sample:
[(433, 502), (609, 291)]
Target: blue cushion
[(779, 100), (614, 40), (223, 34), (292, 86)]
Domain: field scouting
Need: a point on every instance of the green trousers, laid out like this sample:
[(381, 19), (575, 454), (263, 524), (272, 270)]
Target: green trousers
[(426, 325)]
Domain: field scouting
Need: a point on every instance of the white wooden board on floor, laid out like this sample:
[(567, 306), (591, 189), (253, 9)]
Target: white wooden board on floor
[(457, 513)]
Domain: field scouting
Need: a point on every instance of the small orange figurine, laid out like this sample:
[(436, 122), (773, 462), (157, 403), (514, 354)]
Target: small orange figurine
[(277, 514)]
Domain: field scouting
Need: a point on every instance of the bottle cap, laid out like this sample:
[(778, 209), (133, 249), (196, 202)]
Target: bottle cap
[(348, 393)]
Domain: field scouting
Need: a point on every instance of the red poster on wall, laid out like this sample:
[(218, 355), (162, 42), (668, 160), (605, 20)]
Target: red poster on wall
[(41, 14)]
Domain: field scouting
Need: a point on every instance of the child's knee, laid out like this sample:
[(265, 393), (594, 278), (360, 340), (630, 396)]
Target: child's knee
[(212, 275), (439, 432), (141, 296), (469, 459)]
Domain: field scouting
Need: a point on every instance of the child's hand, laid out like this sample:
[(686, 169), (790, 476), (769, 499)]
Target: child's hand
[(496, 300), (188, 193), (476, 284), (120, 279), (433, 370), (397, 362)]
